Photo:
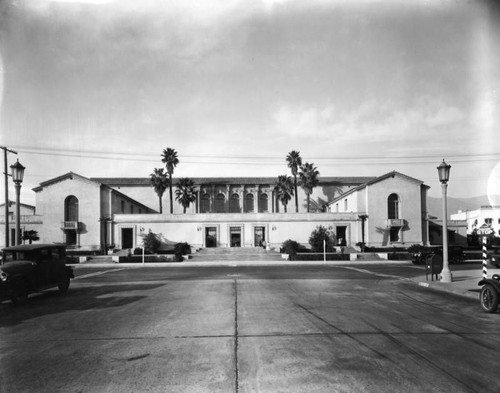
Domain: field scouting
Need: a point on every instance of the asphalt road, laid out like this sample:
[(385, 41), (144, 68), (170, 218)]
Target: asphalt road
[(356, 328)]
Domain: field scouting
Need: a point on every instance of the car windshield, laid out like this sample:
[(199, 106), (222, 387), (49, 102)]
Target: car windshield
[(10, 256)]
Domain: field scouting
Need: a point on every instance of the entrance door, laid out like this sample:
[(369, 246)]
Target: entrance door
[(70, 237), (211, 237), (259, 236), (127, 238), (235, 236), (341, 236)]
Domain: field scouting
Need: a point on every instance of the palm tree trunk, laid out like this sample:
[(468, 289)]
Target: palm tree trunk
[(296, 196), (308, 201), (170, 188), (161, 205)]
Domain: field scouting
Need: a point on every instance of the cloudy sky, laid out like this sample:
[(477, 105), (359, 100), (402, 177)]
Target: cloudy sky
[(359, 87)]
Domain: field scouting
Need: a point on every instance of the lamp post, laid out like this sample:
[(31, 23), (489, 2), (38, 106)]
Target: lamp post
[(444, 175), (363, 218), (17, 176)]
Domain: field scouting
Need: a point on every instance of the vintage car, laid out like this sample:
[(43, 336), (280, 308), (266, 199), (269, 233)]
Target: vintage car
[(490, 293), (33, 268), (420, 256), (494, 257)]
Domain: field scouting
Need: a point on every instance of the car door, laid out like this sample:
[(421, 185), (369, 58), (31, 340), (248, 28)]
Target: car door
[(43, 267)]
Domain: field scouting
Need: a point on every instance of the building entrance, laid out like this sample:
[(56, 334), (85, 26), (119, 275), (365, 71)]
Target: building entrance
[(341, 235), (259, 236), (235, 236), (210, 237), (127, 238)]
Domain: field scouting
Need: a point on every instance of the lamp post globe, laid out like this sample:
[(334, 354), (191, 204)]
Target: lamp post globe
[(17, 176), (444, 176)]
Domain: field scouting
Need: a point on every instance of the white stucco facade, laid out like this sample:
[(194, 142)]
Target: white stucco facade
[(485, 215), (97, 213), (401, 224)]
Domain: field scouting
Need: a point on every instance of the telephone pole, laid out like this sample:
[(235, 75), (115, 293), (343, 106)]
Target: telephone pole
[(5, 151)]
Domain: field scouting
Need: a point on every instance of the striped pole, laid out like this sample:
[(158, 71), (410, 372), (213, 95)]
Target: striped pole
[(485, 259)]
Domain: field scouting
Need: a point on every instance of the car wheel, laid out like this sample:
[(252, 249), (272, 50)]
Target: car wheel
[(488, 298), (64, 285), (20, 293)]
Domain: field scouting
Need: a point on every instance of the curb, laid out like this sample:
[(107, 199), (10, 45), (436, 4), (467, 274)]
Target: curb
[(443, 287), (236, 264)]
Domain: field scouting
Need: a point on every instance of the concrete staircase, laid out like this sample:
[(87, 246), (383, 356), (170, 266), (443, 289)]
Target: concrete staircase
[(368, 256), (235, 254)]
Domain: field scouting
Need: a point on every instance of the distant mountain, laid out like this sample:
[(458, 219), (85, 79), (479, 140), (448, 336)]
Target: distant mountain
[(435, 207)]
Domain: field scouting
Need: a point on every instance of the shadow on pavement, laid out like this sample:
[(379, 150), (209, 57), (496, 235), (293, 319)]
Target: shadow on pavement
[(77, 299)]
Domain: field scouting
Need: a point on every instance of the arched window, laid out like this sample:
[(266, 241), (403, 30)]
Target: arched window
[(205, 204), (393, 206), (249, 203), (220, 203), (234, 204), (263, 203), (71, 208)]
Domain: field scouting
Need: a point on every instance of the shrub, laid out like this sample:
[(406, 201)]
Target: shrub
[(291, 247), (320, 235), (182, 249), (414, 248), (151, 243)]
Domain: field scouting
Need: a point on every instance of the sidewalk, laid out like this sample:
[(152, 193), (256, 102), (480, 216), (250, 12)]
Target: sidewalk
[(464, 281)]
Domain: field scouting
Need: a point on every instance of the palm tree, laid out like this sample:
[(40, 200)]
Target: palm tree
[(294, 162), (185, 192), (308, 180), (284, 189), (31, 236), (169, 158), (160, 183)]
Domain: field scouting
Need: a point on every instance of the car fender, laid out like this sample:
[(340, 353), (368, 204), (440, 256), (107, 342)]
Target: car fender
[(494, 283)]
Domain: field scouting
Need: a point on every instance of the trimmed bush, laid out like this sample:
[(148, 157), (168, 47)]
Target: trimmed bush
[(291, 247), (319, 257), (151, 243), (182, 249), (319, 236)]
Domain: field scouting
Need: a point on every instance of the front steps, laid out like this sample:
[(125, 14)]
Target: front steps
[(235, 254)]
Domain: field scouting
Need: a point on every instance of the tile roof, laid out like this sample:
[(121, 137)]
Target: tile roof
[(145, 181)]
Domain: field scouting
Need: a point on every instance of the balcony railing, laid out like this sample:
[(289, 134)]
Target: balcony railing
[(70, 225), (396, 222)]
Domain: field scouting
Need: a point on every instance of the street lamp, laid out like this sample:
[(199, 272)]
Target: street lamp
[(17, 176), (444, 175), (363, 218)]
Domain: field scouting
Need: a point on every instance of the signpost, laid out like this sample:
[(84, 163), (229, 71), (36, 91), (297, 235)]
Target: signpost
[(484, 231)]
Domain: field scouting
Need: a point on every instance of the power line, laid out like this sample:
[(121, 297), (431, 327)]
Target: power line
[(259, 159)]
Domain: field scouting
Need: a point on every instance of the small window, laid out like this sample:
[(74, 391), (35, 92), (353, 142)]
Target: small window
[(488, 221), (122, 206)]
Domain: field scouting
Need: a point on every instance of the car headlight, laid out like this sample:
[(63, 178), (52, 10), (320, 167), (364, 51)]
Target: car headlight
[(3, 276)]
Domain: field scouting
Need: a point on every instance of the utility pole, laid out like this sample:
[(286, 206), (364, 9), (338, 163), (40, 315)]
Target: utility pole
[(5, 151)]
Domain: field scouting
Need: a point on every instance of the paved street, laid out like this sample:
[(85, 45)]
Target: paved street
[(349, 328)]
